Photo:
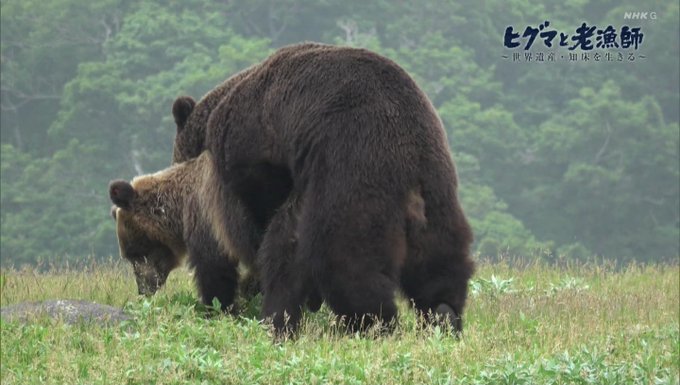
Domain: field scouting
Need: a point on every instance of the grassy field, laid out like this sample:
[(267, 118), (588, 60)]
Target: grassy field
[(525, 324)]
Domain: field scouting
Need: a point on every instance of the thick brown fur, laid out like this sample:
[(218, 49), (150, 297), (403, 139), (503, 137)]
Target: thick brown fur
[(191, 118), (373, 203), (159, 224), (161, 220)]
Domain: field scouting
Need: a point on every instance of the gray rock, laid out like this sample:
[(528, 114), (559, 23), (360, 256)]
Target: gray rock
[(70, 311)]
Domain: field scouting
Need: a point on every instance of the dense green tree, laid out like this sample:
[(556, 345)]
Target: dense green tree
[(606, 174), (159, 54), (42, 45), (50, 209), (114, 121)]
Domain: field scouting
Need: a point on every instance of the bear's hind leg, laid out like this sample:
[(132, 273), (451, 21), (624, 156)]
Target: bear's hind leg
[(284, 281), (438, 292), (360, 298), (355, 256), (436, 275)]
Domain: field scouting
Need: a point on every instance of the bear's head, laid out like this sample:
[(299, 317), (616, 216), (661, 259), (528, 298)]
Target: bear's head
[(191, 117), (190, 134), (148, 226)]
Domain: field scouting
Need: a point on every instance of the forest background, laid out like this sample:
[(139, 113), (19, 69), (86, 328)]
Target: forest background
[(557, 159)]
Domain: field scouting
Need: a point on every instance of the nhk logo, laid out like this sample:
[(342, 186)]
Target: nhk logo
[(639, 15)]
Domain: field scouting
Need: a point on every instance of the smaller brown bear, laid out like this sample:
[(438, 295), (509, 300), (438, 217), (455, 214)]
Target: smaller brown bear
[(159, 224)]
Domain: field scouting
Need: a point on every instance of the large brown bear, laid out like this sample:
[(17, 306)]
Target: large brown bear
[(360, 156)]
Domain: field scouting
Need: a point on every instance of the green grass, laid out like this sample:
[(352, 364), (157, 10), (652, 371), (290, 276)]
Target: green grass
[(532, 324)]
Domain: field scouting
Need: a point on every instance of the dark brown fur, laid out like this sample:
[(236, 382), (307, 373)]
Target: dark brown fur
[(369, 173), (191, 118)]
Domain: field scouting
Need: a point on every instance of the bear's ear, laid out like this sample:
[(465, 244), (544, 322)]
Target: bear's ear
[(181, 110), (122, 193)]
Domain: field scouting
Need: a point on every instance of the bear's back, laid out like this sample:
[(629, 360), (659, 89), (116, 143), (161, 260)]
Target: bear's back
[(346, 95)]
